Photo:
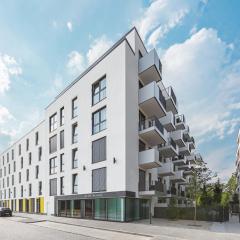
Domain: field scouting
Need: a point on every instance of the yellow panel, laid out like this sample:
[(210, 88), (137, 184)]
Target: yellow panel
[(24, 205), (17, 205), (41, 204)]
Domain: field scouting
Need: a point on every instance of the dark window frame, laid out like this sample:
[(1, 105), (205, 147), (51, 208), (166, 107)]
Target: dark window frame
[(101, 89), (100, 121)]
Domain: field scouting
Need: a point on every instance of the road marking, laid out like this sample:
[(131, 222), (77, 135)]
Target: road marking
[(90, 232)]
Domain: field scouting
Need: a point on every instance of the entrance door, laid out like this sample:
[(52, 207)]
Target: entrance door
[(88, 208)]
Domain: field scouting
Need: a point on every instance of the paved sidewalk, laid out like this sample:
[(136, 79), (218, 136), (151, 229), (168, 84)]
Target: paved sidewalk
[(160, 229)]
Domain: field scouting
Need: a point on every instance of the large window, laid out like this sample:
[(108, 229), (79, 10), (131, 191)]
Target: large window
[(99, 90), (61, 185), (62, 139), (53, 144), (27, 144), (36, 138), (40, 188), (74, 133), (74, 183), (39, 153), (99, 120), (53, 122), (30, 190), (37, 172), (62, 162), (99, 180), (99, 150), (61, 116), (74, 107), (53, 165), (74, 158), (27, 175), (53, 187)]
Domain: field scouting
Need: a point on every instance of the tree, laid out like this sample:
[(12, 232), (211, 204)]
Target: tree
[(201, 176)]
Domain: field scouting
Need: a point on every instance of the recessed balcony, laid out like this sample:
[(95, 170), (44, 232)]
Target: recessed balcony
[(186, 133), (167, 169), (149, 159), (177, 137), (185, 150), (171, 100), (152, 132), (180, 122), (157, 189), (168, 149), (168, 122), (150, 67), (177, 177), (192, 143), (151, 100), (179, 160)]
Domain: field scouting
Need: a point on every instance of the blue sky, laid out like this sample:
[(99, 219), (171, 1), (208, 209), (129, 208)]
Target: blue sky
[(44, 45)]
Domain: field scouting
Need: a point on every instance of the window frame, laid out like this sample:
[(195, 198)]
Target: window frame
[(99, 111), (101, 89)]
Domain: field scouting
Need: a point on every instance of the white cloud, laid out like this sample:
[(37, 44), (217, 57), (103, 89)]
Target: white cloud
[(4, 114), (8, 68), (161, 16), (97, 48), (197, 68), (56, 86), (69, 26), (76, 63)]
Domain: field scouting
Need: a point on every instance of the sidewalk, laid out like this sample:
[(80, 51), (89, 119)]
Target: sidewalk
[(160, 229)]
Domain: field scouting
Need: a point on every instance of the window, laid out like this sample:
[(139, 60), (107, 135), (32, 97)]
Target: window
[(36, 172), (7, 157), (30, 158), (14, 166), (53, 165), (99, 120), (74, 183), (27, 175), (12, 180), (62, 116), (74, 158), (53, 144), (19, 177), (62, 162), (30, 189), (53, 187), (53, 122), (21, 162), (14, 192), (22, 191), (27, 144), (36, 138), (99, 91), (99, 180), (12, 154), (99, 150), (39, 153), (62, 139), (74, 107), (40, 188), (19, 149), (61, 185), (74, 133)]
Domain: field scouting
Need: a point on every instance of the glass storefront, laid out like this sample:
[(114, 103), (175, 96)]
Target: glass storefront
[(112, 209)]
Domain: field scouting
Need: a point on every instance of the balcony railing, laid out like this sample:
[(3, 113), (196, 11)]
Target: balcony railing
[(172, 191), (180, 119), (162, 98), (171, 94), (158, 186), (150, 123)]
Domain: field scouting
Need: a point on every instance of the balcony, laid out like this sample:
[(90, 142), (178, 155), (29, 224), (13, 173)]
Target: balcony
[(149, 159), (172, 191), (180, 122), (192, 143), (192, 159), (188, 172), (179, 161), (177, 137), (198, 157), (167, 169), (151, 100), (184, 167), (158, 189), (168, 149), (150, 67), (185, 150), (171, 100), (186, 132), (168, 122), (177, 177), (152, 132)]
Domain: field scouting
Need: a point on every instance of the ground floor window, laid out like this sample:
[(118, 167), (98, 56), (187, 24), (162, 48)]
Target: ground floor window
[(112, 209)]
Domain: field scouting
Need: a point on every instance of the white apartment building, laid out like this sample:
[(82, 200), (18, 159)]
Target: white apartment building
[(238, 162), (111, 143)]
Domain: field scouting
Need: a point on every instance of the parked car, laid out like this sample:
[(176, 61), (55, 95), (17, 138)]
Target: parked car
[(5, 212)]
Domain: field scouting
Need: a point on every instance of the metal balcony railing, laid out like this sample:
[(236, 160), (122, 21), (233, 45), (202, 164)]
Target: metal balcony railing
[(179, 119), (162, 98), (172, 191), (171, 94), (150, 123), (158, 186)]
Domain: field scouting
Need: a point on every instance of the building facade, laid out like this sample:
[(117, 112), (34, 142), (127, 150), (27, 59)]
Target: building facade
[(112, 145), (238, 163)]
